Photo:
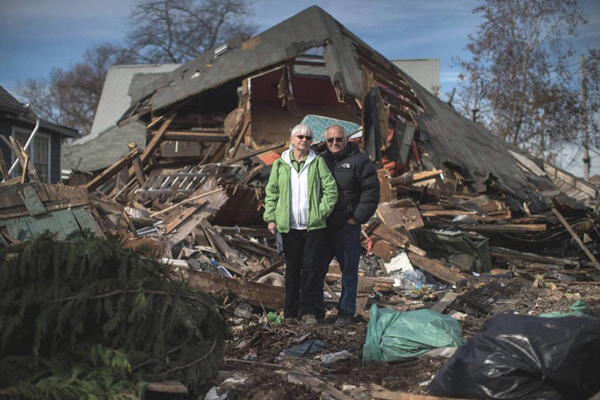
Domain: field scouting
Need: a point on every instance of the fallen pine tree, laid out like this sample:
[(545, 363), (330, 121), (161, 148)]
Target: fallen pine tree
[(90, 319)]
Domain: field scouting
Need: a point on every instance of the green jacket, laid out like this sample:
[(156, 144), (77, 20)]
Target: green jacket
[(322, 192)]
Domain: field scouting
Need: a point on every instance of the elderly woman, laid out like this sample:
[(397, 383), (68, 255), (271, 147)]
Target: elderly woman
[(301, 193)]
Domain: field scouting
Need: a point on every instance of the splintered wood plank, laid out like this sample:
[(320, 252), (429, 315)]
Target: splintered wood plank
[(167, 387), (26, 163), (382, 393), (387, 233), (365, 288), (505, 228), (441, 305), (183, 216), (32, 201), (255, 294), (415, 178), (575, 237), (436, 268), (400, 214), (315, 384), (112, 170), (3, 168), (386, 192)]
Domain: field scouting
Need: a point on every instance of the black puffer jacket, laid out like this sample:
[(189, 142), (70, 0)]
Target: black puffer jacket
[(358, 186)]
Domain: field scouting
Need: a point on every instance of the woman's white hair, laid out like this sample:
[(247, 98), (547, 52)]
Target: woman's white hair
[(300, 129)]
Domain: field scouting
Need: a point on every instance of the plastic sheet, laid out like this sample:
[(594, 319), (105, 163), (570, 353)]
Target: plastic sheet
[(401, 336), (525, 357)]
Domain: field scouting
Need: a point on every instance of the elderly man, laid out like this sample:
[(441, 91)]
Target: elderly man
[(358, 189)]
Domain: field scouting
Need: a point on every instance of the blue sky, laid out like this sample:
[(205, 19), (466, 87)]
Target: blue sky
[(38, 35)]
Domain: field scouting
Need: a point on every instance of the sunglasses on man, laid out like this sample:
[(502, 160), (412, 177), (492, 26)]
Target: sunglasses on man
[(335, 139), (301, 137)]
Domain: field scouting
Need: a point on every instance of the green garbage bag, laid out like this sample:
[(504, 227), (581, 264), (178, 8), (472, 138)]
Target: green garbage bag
[(401, 336), (578, 309)]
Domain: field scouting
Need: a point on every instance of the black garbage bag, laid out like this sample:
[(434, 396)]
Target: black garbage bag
[(525, 357)]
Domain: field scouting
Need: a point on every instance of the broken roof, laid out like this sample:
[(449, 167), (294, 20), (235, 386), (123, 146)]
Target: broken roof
[(104, 149), (16, 111), (454, 140), (310, 28)]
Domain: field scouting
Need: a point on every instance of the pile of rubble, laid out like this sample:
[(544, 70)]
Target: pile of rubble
[(461, 254)]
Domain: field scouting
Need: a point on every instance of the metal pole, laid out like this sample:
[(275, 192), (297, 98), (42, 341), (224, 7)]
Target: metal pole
[(586, 156)]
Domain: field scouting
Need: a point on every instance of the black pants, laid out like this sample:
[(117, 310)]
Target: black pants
[(303, 252)]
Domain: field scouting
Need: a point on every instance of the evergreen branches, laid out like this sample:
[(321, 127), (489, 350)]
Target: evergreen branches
[(61, 297)]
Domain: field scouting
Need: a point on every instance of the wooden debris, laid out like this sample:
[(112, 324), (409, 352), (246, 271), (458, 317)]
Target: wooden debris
[(441, 305), (255, 294), (112, 170), (318, 386), (172, 387), (436, 268), (381, 393), (575, 237)]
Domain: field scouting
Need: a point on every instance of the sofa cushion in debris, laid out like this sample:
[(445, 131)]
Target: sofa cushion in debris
[(401, 336), (525, 357)]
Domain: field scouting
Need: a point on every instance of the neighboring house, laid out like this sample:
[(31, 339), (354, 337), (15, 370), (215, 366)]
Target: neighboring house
[(106, 142), (45, 150), (116, 95), (426, 71)]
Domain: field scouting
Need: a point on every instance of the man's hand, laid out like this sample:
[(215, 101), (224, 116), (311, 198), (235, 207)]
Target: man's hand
[(351, 221), (272, 227)]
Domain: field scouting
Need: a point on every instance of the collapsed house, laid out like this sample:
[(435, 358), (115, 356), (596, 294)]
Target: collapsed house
[(184, 170)]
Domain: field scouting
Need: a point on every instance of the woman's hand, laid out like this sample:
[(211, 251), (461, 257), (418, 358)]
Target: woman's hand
[(272, 227)]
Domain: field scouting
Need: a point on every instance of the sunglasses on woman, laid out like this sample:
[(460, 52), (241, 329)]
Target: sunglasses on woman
[(308, 138), (335, 139)]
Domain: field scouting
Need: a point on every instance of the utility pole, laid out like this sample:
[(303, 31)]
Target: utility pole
[(586, 156), (475, 109)]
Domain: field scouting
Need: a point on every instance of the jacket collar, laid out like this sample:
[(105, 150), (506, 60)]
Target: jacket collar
[(285, 156)]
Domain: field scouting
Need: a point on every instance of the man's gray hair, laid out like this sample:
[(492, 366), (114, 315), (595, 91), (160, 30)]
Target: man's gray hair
[(302, 129), (338, 127)]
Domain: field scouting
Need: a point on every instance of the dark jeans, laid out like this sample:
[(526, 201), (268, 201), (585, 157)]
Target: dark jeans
[(303, 252), (344, 245)]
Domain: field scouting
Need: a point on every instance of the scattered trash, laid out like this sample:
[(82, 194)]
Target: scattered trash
[(309, 346), (335, 357)]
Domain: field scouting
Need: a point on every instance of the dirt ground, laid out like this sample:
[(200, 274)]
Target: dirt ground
[(256, 349)]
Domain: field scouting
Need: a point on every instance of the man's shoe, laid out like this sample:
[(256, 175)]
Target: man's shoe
[(309, 319), (343, 321)]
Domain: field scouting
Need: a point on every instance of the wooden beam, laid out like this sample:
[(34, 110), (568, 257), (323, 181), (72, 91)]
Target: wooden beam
[(24, 160), (112, 170), (167, 387), (156, 139), (381, 393), (190, 136), (441, 305), (414, 178), (255, 152), (239, 138), (436, 268), (255, 294), (321, 388), (3, 167), (137, 166), (507, 254), (255, 275), (505, 228), (189, 199), (574, 235), (395, 238)]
